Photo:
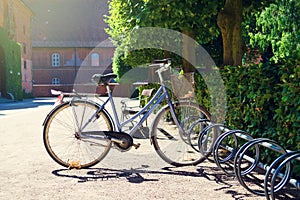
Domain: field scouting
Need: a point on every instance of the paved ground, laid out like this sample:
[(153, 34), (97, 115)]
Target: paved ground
[(27, 172)]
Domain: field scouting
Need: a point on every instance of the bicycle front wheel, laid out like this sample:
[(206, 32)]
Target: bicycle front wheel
[(172, 145), (72, 134)]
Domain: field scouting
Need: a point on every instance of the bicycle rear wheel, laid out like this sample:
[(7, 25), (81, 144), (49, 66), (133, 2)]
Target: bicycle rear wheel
[(173, 146), (72, 134)]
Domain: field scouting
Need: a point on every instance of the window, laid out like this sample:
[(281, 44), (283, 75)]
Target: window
[(55, 60), (55, 81), (95, 59), (25, 64)]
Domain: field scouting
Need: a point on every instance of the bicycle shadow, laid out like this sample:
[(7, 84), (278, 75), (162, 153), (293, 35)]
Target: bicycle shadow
[(132, 175), (137, 176)]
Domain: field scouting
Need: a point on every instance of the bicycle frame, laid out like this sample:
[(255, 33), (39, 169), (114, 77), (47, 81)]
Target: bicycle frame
[(158, 97)]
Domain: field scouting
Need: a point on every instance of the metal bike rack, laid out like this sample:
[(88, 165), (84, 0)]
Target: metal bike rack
[(280, 162), (232, 163)]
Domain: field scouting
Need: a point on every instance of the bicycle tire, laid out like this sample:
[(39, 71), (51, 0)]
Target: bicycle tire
[(199, 124), (62, 129), (171, 145)]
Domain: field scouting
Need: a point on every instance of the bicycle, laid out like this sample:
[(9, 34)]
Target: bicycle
[(79, 133)]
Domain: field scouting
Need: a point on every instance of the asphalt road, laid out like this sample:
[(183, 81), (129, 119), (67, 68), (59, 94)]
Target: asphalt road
[(27, 172)]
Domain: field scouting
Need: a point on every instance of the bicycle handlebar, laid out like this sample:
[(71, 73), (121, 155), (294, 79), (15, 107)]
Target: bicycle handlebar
[(162, 68), (164, 65), (161, 63)]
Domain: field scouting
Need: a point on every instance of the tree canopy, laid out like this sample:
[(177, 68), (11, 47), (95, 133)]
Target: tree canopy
[(278, 29), (198, 18), (203, 21), (193, 18)]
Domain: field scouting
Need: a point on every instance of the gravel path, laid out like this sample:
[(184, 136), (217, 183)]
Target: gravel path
[(27, 172)]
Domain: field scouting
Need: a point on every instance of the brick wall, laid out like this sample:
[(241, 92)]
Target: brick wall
[(75, 67)]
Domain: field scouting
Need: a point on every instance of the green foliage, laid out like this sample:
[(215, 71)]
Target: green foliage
[(264, 100), (143, 56), (214, 49), (209, 90), (201, 91), (190, 15), (276, 32), (278, 27), (119, 66), (251, 95), (287, 114), (12, 59), (154, 86), (196, 18), (122, 19)]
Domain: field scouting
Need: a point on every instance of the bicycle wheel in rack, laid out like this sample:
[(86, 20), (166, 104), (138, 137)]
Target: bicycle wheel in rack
[(72, 134), (171, 145)]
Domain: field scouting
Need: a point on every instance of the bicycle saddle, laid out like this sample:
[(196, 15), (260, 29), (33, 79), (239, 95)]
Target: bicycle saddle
[(103, 78)]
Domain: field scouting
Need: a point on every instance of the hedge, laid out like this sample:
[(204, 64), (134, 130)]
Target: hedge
[(263, 100)]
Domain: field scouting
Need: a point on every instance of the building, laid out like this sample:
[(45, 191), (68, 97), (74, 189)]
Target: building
[(69, 44), (15, 49)]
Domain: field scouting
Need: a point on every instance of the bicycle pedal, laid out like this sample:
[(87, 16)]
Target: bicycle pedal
[(136, 146)]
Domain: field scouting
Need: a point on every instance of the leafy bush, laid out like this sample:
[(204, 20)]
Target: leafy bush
[(278, 27), (251, 93), (119, 66), (287, 114), (264, 101), (12, 64), (261, 99)]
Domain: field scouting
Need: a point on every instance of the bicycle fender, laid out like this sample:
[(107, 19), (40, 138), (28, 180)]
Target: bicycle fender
[(110, 118), (52, 111)]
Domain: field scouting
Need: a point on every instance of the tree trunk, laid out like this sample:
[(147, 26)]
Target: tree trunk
[(230, 24), (188, 51)]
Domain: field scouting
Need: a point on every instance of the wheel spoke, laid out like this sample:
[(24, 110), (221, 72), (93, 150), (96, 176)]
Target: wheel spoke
[(173, 145)]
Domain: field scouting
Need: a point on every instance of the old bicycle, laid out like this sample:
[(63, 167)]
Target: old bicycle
[(79, 133)]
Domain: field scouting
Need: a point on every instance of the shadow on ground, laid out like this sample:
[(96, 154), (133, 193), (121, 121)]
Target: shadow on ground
[(136, 176)]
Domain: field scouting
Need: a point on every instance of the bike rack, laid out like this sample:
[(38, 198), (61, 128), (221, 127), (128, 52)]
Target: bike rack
[(240, 160)]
